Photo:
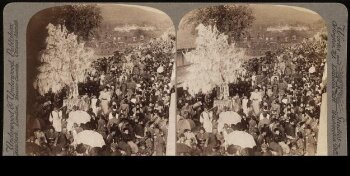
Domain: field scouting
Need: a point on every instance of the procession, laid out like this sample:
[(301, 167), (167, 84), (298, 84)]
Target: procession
[(95, 105), (233, 104), (271, 111), (230, 82)]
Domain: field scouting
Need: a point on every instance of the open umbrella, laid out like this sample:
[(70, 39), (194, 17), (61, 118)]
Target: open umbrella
[(184, 124), (78, 117), (229, 118), (240, 138), (91, 138)]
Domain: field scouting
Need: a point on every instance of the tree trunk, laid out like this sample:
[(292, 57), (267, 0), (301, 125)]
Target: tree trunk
[(72, 98), (73, 90)]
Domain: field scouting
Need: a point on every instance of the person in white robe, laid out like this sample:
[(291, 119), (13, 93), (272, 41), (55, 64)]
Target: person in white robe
[(102, 78), (105, 97), (205, 119), (245, 105), (56, 119), (93, 104), (256, 100)]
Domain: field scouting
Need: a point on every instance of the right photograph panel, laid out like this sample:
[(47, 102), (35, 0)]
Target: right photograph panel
[(251, 82)]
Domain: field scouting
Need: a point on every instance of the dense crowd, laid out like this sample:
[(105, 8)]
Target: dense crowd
[(277, 101), (127, 99)]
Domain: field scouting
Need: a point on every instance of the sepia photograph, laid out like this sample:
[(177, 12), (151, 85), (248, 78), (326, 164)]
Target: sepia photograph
[(100, 79), (251, 81), (174, 79)]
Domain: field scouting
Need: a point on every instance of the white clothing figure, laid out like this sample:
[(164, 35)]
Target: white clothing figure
[(256, 98), (206, 120), (56, 119), (105, 97), (312, 69), (93, 105), (102, 79), (245, 105)]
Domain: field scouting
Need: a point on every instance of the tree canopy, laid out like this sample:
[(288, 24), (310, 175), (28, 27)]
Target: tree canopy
[(81, 19), (64, 61), (213, 62), (232, 20)]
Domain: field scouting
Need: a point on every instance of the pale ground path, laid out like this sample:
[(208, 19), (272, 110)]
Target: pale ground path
[(171, 138), (170, 148), (322, 138)]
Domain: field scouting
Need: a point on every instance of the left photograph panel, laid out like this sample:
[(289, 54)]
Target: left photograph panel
[(100, 81)]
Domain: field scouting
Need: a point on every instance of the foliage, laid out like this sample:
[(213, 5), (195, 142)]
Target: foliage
[(64, 61), (232, 20), (81, 19), (213, 62)]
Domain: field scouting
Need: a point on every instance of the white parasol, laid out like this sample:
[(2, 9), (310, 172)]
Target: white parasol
[(91, 138), (228, 117), (78, 117), (240, 138)]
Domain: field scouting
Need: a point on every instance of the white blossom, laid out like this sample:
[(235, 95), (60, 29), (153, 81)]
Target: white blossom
[(213, 62), (64, 61)]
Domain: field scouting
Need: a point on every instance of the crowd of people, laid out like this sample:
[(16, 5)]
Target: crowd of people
[(127, 99), (277, 101)]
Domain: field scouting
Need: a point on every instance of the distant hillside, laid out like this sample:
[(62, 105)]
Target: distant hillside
[(121, 15), (275, 15), (265, 15)]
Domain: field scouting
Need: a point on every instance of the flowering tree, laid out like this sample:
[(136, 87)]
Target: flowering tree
[(64, 62), (213, 62)]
